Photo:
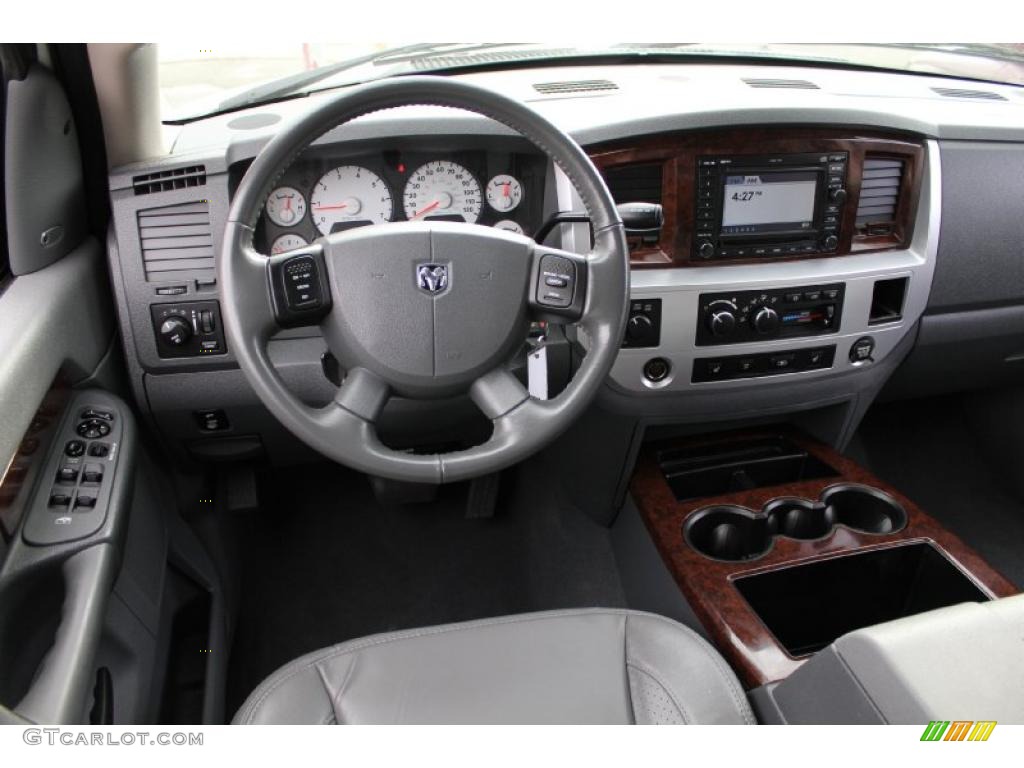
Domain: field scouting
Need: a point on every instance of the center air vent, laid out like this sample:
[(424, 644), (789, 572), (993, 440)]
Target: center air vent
[(177, 242), (879, 195), (575, 86), (773, 82), (165, 181), (635, 183), (967, 93)]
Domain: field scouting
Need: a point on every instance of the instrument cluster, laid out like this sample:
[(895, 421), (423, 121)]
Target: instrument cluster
[(324, 193)]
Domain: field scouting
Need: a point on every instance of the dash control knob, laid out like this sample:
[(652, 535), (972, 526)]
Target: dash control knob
[(765, 321), (175, 330), (721, 318), (831, 243), (640, 331), (838, 196), (706, 250)]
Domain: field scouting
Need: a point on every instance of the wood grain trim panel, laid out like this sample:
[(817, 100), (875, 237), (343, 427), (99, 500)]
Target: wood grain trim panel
[(708, 585), (679, 153)]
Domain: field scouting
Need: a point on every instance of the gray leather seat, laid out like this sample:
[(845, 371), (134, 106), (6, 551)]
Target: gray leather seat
[(580, 666)]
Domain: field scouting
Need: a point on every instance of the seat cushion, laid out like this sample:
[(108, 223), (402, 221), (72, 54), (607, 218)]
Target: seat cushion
[(579, 666)]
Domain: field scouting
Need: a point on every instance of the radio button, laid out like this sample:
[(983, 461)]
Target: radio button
[(813, 295), (832, 293), (792, 298)]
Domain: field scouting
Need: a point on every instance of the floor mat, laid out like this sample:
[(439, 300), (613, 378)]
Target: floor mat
[(927, 450), (325, 563)]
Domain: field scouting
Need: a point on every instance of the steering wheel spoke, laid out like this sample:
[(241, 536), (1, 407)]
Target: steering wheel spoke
[(558, 285), (363, 394), (498, 392)]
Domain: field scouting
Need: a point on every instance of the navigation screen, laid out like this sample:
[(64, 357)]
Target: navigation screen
[(771, 201)]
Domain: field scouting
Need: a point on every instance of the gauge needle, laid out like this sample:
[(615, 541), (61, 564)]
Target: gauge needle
[(331, 207), (428, 209), (505, 189)]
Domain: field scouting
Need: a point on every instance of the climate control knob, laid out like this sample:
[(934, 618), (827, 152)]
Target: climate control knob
[(721, 318), (765, 321), (175, 330)]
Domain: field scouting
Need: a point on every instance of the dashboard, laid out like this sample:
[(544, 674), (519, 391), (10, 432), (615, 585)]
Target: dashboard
[(812, 242)]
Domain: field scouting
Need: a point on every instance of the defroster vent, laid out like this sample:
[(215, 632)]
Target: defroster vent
[(177, 242), (165, 181)]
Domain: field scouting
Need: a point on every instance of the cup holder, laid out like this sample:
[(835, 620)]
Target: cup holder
[(733, 533)]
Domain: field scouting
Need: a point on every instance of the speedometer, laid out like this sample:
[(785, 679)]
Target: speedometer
[(442, 190), (349, 196)]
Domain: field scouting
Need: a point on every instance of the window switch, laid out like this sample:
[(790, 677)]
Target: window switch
[(60, 499), (93, 473), (99, 450), (67, 474), (85, 501)]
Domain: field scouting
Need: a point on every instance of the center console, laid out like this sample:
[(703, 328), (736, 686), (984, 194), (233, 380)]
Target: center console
[(781, 546)]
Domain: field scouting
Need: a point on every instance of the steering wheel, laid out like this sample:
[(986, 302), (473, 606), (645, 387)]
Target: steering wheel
[(424, 309)]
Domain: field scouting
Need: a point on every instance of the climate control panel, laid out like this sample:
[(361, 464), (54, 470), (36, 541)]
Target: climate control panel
[(778, 313)]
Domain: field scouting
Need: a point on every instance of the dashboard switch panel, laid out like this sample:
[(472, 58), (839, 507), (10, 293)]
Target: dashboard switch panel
[(643, 329), (188, 329), (777, 313), (762, 364)]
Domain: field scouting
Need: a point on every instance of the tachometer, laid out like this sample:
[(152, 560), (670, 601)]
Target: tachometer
[(504, 192), (286, 206), (442, 190), (349, 196)]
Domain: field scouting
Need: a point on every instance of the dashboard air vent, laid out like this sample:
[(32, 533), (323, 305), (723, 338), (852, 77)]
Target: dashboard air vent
[(165, 181), (575, 86), (967, 93), (635, 183), (879, 195), (177, 241), (774, 82)]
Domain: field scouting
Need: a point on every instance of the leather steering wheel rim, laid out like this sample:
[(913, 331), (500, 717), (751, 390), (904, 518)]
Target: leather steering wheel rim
[(344, 430)]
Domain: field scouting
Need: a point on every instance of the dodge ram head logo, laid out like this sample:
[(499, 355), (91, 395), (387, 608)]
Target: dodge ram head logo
[(432, 278)]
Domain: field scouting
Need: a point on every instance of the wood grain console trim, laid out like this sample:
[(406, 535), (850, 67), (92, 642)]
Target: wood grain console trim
[(708, 584), (679, 152)]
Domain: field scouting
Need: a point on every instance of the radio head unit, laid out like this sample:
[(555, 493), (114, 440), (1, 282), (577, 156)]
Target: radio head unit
[(751, 206)]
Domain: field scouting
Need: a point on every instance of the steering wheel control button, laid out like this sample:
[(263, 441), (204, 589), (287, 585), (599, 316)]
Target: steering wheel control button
[(302, 283), (558, 276), (656, 370), (91, 429), (74, 448), (862, 350)]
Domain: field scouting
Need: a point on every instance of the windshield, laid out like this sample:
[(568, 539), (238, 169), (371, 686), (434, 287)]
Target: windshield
[(197, 81)]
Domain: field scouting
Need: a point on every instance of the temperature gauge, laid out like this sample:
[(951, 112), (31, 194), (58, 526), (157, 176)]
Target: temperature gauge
[(509, 225), (287, 242), (286, 206), (504, 192)]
